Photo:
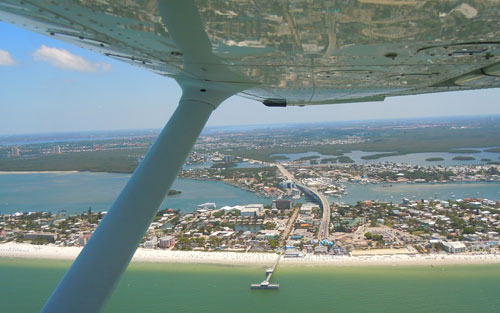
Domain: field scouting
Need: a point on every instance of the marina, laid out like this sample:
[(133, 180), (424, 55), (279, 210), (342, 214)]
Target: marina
[(428, 191)]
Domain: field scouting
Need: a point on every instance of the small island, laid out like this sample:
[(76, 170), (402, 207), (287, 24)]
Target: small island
[(345, 159), (458, 151), (434, 159), (463, 158), (172, 192), (492, 150), (485, 160), (309, 158)]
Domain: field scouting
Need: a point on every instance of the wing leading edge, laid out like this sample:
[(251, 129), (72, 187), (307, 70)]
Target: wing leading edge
[(298, 52)]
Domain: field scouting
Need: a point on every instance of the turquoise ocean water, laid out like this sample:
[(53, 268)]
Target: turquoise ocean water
[(154, 287)]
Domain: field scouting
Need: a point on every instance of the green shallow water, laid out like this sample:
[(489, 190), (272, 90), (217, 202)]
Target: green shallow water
[(150, 287)]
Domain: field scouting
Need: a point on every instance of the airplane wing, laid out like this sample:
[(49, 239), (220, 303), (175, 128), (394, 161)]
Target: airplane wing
[(293, 52), (278, 52)]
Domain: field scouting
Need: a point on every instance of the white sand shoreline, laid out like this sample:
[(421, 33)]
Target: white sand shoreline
[(20, 250)]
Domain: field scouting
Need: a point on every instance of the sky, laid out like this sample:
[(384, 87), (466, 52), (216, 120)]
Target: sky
[(50, 86)]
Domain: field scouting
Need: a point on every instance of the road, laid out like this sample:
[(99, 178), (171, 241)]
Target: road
[(284, 171), (289, 226), (325, 221)]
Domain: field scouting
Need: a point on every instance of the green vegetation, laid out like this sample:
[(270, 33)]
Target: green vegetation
[(263, 174), (123, 155), (329, 160), (279, 157), (374, 237), (250, 170), (492, 150), (379, 155), (345, 159), (460, 151), (308, 158), (172, 192), (463, 158), (434, 159), (398, 141), (273, 243), (113, 161)]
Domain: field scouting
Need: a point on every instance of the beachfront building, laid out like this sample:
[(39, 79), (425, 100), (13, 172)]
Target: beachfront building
[(84, 238), (51, 237), (167, 242), (454, 247), (152, 243)]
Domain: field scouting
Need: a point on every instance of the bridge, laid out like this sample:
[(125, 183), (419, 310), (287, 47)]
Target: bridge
[(324, 205), (315, 194)]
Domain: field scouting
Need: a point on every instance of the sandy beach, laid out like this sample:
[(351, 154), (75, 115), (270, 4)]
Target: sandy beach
[(20, 250)]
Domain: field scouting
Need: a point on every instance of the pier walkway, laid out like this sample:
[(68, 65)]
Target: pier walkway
[(269, 273)]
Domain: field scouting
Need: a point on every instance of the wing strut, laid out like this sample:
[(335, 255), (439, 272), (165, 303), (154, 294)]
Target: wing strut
[(91, 279)]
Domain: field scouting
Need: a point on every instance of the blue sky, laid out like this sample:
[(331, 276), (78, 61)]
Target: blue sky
[(51, 86)]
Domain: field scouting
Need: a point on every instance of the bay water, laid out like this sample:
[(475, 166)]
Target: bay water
[(76, 192)]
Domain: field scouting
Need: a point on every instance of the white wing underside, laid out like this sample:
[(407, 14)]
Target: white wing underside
[(298, 52)]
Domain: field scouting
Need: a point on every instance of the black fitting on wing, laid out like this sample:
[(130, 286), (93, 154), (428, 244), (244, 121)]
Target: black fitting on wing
[(275, 102)]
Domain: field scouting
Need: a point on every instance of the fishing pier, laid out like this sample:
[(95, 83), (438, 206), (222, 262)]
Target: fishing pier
[(269, 273)]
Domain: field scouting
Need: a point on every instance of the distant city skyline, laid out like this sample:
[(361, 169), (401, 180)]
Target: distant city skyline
[(51, 86)]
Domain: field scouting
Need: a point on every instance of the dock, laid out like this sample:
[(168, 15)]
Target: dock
[(269, 273)]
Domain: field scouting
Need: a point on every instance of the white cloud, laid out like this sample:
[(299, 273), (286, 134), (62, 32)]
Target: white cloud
[(6, 59), (68, 61)]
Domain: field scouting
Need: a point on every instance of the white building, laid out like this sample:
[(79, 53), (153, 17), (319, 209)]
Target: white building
[(227, 209), (151, 244), (207, 206), (228, 158), (15, 152), (454, 247), (287, 184), (307, 207), (252, 210)]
